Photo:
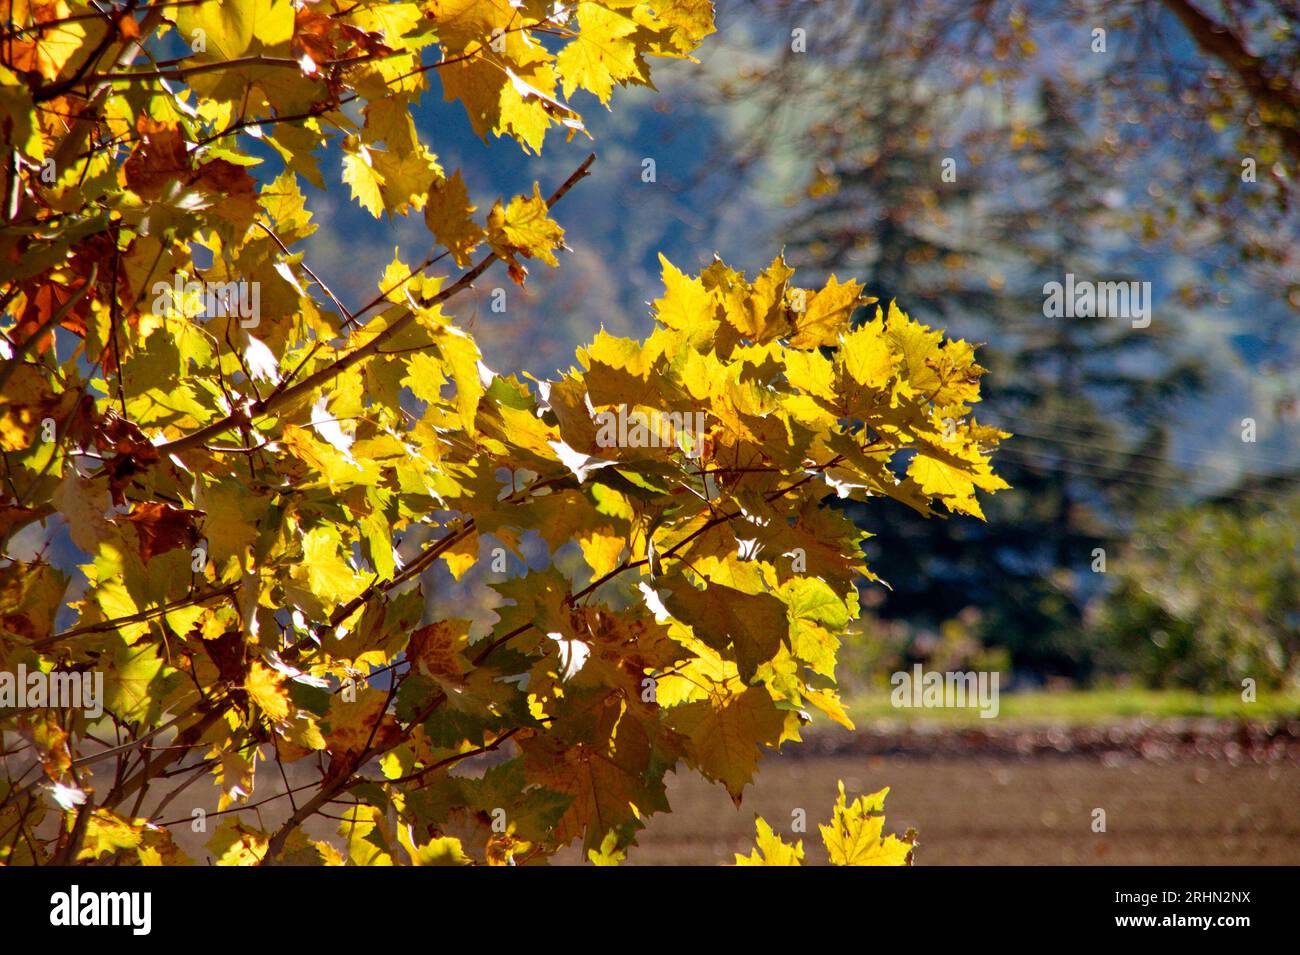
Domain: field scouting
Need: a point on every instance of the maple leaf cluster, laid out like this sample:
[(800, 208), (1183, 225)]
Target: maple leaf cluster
[(255, 500), (854, 837)]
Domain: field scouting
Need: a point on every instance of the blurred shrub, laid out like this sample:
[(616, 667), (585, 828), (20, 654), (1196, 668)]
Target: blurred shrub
[(876, 647), (1207, 597)]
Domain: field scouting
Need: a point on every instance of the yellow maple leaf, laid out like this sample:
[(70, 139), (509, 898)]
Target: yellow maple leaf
[(825, 316), (525, 227), (265, 688), (447, 213), (764, 307), (461, 23), (686, 304), (528, 107), (828, 701), (445, 850), (771, 849), (609, 854), (107, 832), (953, 480), (405, 177), (854, 835), (461, 356), (328, 575), (48, 50), (366, 181), (812, 373), (867, 356), (601, 547), (237, 844), (602, 53), (918, 345), (725, 735)]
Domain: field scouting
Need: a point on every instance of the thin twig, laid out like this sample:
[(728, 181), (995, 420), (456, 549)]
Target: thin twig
[(281, 397)]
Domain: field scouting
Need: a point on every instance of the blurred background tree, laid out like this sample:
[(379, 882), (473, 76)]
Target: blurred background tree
[(962, 155)]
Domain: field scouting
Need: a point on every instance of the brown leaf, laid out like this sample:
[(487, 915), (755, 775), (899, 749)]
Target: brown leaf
[(223, 176), (324, 38), (434, 650), (133, 452), (161, 527), (43, 303), (15, 515), (158, 160)]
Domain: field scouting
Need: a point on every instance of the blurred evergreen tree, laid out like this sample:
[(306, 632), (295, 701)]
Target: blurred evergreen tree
[(1087, 397)]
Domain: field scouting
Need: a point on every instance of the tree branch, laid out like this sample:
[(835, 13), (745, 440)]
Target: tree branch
[(1223, 43), (279, 399), (707, 526)]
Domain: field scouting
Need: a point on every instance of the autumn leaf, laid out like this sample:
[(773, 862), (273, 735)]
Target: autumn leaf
[(265, 688), (435, 650), (751, 626), (448, 212), (107, 833), (159, 160), (825, 316), (524, 227), (726, 735), (771, 849), (47, 51), (366, 181), (162, 527), (854, 835), (602, 54)]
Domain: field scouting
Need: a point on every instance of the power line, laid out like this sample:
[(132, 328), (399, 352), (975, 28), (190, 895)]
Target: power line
[(1138, 478), (1232, 472), (1280, 465)]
